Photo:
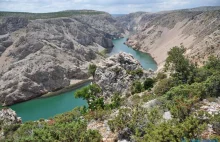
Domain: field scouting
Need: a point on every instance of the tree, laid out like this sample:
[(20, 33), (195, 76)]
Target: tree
[(92, 69), (178, 65), (213, 63), (90, 94)]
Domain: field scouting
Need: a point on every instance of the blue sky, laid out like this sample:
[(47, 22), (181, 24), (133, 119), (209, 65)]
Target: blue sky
[(111, 6)]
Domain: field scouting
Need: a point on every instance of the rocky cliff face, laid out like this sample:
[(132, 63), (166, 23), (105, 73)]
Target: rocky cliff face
[(43, 55), (113, 76), (197, 29)]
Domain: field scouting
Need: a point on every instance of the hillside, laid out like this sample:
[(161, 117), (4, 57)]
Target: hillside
[(197, 29), (127, 103), (43, 55)]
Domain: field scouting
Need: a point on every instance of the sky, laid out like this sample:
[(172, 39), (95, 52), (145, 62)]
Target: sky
[(110, 6)]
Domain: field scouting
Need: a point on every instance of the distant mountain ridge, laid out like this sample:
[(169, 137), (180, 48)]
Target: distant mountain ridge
[(66, 13), (198, 29)]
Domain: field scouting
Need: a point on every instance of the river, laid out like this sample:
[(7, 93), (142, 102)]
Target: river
[(49, 107), (145, 59)]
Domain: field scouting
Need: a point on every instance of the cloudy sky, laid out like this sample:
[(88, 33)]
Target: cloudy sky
[(111, 6)]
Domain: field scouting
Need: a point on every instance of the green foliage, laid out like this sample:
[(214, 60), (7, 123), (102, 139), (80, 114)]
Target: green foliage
[(70, 116), (138, 72), (173, 131), (98, 114), (90, 94), (92, 69), (137, 87), (182, 98), (163, 86), (103, 53), (115, 101), (8, 129), (69, 132), (213, 63), (148, 83), (68, 127), (161, 76), (179, 66), (133, 120), (212, 85)]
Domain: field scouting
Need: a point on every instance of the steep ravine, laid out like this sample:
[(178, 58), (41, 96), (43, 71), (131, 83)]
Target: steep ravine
[(197, 29), (44, 55)]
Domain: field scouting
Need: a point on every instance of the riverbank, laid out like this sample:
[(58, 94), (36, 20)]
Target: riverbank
[(146, 60), (127, 43), (73, 85)]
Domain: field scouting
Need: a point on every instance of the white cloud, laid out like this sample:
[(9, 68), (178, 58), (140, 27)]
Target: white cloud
[(111, 6)]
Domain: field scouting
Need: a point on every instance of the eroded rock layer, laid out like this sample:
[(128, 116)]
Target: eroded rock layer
[(43, 55)]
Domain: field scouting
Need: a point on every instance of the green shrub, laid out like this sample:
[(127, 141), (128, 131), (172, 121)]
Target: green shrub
[(137, 87), (161, 76), (138, 72), (163, 86), (92, 69), (148, 83), (90, 94)]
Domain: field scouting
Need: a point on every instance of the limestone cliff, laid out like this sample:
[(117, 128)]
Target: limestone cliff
[(43, 55), (113, 76)]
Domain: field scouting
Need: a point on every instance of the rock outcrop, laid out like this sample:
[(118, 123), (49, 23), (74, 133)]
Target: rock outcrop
[(156, 33), (113, 76), (43, 55), (8, 117)]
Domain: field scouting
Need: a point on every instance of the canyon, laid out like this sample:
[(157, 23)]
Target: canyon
[(42, 53)]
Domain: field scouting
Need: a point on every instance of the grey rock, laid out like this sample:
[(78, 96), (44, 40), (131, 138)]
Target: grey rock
[(43, 55), (111, 75), (11, 24), (8, 117), (167, 115), (151, 104)]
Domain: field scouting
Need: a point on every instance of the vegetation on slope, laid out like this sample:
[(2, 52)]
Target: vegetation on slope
[(180, 93), (33, 16)]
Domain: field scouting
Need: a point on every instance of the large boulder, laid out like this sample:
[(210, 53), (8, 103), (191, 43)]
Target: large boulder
[(113, 76)]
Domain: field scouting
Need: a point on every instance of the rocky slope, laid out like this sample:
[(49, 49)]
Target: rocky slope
[(43, 55), (197, 29), (113, 76)]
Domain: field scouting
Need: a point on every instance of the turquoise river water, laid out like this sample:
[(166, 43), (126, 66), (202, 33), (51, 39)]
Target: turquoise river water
[(51, 106)]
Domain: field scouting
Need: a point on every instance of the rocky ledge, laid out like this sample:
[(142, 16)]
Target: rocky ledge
[(117, 73)]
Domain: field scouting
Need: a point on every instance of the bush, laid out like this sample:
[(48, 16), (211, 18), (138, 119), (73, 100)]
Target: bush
[(138, 72), (90, 94), (182, 98), (161, 76), (148, 83), (92, 69), (163, 86), (137, 87), (212, 86)]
